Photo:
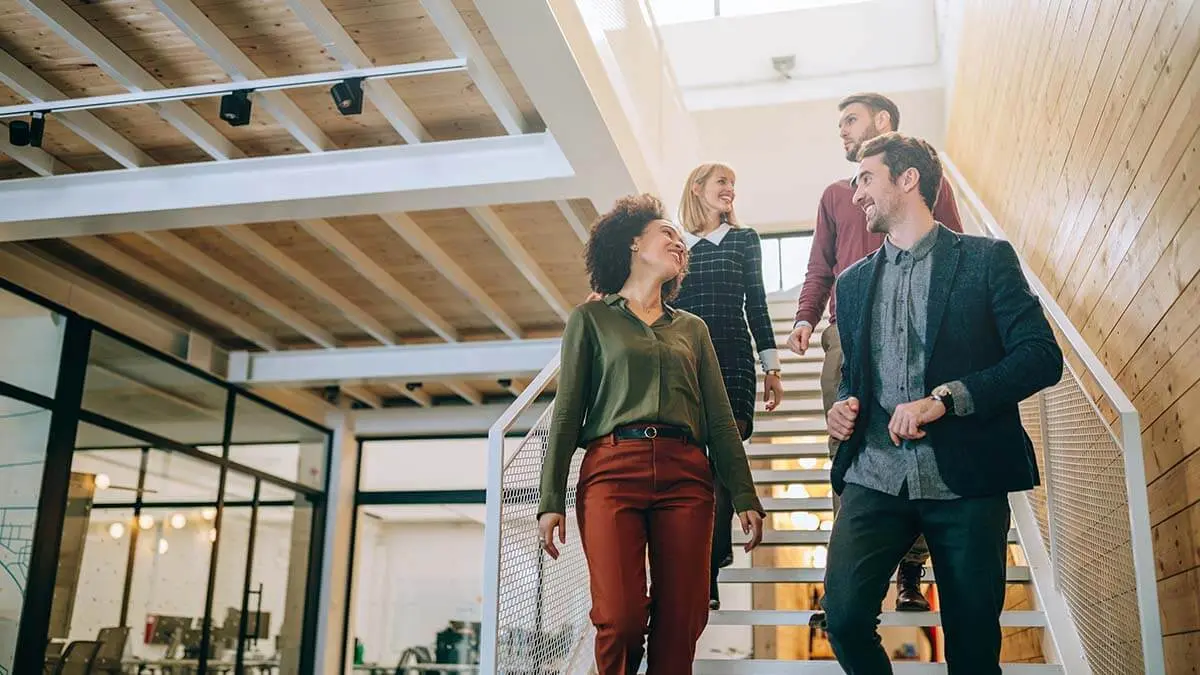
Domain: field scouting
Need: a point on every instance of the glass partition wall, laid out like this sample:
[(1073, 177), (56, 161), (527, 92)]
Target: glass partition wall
[(151, 516)]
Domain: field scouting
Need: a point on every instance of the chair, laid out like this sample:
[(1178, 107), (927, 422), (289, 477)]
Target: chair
[(112, 648), (78, 658)]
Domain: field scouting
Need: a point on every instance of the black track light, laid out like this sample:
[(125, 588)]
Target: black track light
[(235, 108), (22, 133), (348, 96)]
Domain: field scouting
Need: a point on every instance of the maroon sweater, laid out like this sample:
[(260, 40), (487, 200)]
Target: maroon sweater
[(841, 239)]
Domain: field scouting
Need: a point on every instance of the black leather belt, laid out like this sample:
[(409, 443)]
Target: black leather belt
[(651, 431)]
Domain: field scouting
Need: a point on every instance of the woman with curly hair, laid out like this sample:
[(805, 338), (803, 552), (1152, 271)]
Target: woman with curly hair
[(724, 287), (640, 388)]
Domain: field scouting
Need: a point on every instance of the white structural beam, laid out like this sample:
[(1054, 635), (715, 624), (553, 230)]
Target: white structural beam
[(380, 277), (202, 263), (16, 76), (116, 64), (142, 273), (341, 46), (209, 38), (554, 56), (414, 394), (775, 92), (247, 239), (35, 159), (452, 27), (529, 268), (442, 420), (490, 360), (465, 391), (422, 243), (447, 174), (573, 219)]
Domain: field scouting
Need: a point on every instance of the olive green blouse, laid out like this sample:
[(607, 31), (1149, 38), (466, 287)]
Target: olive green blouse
[(616, 370)]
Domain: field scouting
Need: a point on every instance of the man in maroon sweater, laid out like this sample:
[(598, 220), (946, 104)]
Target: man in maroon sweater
[(840, 240)]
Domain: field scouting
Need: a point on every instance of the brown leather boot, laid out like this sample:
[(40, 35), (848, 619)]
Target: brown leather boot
[(908, 584)]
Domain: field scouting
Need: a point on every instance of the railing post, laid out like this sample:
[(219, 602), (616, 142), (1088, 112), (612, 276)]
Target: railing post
[(491, 551), (1142, 542), (1051, 491)]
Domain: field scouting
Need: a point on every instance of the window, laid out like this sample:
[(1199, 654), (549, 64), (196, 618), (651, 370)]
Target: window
[(682, 11), (785, 260)]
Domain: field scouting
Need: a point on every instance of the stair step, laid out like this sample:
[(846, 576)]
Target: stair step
[(791, 617), (806, 537), (799, 423), (786, 450), (784, 504), (777, 477), (816, 575), (773, 667), (793, 404), (794, 380), (793, 366), (809, 537), (813, 355)]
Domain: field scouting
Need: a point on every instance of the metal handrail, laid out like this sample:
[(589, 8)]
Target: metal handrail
[(1129, 437)]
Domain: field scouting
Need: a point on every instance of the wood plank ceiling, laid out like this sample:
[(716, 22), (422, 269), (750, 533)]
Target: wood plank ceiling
[(500, 272)]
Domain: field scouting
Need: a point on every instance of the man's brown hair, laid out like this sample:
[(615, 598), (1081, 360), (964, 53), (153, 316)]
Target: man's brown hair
[(875, 103), (901, 153)]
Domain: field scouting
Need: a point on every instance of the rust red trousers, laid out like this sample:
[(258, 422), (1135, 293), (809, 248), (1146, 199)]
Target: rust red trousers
[(639, 494)]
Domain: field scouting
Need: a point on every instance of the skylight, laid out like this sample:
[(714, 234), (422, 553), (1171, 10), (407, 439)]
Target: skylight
[(683, 11)]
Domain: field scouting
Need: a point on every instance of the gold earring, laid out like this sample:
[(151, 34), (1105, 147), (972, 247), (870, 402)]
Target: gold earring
[(634, 248)]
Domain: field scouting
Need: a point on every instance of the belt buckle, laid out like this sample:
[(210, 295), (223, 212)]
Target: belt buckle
[(650, 432)]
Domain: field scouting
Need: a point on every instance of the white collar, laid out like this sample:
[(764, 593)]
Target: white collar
[(716, 236)]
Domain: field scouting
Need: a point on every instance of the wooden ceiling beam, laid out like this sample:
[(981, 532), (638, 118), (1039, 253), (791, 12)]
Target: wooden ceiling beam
[(524, 262), (380, 277), (456, 33), (465, 391), (16, 76), (213, 42), (191, 256), (444, 263), (35, 159), (263, 250), (416, 394), (367, 397), (341, 46), (176, 292), (91, 43), (573, 219)]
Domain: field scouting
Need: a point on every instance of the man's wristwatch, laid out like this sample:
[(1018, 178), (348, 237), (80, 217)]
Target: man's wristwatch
[(943, 395)]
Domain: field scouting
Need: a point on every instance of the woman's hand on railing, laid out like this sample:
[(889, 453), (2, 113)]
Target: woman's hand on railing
[(752, 524), (549, 522)]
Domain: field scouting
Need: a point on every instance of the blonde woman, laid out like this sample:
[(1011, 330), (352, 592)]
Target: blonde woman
[(724, 287)]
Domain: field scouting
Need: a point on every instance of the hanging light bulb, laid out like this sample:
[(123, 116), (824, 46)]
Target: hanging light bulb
[(208, 513), (145, 521), (116, 530), (162, 546), (103, 481), (178, 521)]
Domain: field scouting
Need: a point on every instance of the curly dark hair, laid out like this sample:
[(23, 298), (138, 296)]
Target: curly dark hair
[(608, 249)]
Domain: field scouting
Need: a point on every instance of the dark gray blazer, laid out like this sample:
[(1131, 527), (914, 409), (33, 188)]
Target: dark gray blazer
[(985, 328)]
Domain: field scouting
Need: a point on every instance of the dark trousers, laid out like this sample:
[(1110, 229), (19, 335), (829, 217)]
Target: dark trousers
[(968, 539), (633, 495)]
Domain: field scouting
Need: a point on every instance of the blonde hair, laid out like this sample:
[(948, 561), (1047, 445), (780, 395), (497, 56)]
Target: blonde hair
[(691, 205)]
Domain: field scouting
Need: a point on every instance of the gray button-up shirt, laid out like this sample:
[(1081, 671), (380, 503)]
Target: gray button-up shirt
[(898, 334)]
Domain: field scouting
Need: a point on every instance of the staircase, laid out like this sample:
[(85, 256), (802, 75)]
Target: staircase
[(789, 461)]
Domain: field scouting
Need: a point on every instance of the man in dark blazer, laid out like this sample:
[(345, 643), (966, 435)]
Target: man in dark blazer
[(942, 339)]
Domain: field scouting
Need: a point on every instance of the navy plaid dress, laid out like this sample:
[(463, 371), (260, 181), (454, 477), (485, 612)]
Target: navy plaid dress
[(724, 286)]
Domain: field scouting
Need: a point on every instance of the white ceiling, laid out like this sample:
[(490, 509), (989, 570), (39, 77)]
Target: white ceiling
[(880, 44)]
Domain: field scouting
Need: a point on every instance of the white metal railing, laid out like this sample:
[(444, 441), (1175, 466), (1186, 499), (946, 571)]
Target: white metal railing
[(1086, 529)]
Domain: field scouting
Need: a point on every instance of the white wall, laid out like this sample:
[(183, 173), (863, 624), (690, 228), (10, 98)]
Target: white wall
[(412, 579), (785, 155)]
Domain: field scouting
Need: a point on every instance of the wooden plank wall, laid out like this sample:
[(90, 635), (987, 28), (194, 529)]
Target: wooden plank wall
[(1078, 122)]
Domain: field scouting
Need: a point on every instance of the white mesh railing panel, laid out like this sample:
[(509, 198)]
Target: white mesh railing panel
[(1031, 418), (543, 604), (1088, 512)]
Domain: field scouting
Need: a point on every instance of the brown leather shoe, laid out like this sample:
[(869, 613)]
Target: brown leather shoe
[(908, 584)]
